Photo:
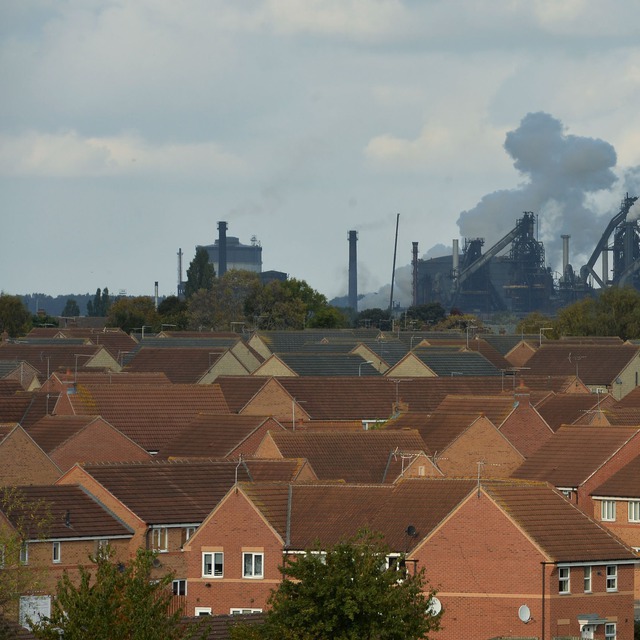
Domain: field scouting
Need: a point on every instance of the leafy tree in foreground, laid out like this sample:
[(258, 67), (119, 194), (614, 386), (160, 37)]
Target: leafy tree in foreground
[(346, 594), (114, 602), (15, 318), (25, 520)]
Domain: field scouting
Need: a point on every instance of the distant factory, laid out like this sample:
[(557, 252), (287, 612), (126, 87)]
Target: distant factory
[(513, 276)]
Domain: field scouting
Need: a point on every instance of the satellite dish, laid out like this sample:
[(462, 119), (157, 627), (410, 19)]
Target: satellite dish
[(524, 613), (434, 608)]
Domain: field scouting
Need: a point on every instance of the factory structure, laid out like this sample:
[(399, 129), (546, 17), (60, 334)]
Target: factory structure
[(513, 276)]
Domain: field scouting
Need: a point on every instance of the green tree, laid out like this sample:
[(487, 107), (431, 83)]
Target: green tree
[(345, 593), (200, 274), (133, 313), (114, 601), (173, 311), (533, 322), (25, 520), (101, 304), (15, 318), (426, 314), (375, 317), (329, 318), (71, 309)]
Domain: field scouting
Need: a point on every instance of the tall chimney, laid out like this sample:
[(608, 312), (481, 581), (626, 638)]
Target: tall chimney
[(222, 249), (414, 264), (456, 258), (353, 269), (156, 294), (565, 254), (179, 291)]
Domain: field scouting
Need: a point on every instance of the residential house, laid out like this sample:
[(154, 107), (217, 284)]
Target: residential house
[(22, 460), (21, 372), (549, 584)]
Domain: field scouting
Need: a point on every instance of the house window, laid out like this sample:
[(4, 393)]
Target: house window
[(24, 553), (587, 579), (252, 565), (608, 510), (188, 532), (564, 580), (213, 564), (634, 510), (56, 551), (610, 631), (179, 587), (238, 612), (160, 539), (612, 577), (202, 611)]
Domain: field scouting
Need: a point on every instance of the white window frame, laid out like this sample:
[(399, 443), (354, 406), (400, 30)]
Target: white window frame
[(202, 611), (56, 552), (252, 556), (608, 511), (612, 577), (564, 580), (587, 580), (160, 539), (243, 612), (24, 553), (216, 559), (610, 631), (176, 587), (188, 532), (634, 511)]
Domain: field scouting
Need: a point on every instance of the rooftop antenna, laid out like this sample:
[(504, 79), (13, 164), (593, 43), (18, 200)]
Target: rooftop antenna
[(236, 472)]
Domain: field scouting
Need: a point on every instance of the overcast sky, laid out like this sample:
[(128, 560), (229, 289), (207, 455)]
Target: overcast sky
[(129, 128)]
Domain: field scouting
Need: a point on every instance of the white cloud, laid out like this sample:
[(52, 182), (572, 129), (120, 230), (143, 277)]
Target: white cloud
[(67, 154)]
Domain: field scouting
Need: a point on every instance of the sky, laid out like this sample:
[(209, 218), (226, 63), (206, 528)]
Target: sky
[(129, 128)]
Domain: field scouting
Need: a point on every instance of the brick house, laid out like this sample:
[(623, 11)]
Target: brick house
[(22, 460), (494, 551)]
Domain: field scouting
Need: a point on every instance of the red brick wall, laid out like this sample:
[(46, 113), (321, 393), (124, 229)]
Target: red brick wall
[(484, 569), (235, 526), (22, 462)]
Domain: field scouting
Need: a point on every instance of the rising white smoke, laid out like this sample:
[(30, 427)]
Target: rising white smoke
[(560, 172)]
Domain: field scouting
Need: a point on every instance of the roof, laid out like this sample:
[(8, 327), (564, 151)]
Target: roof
[(52, 431), (496, 407), (70, 512), (51, 357), (567, 408), (211, 435), (151, 415), (330, 364), (352, 456), (574, 453), (114, 340), (452, 362), (179, 492), (595, 364), (622, 484), (239, 390), (179, 364), (283, 341)]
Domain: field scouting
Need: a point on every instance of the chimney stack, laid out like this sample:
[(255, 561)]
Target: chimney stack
[(353, 269), (156, 294), (565, 254), (222, 249), (414, 264), (456, 258)]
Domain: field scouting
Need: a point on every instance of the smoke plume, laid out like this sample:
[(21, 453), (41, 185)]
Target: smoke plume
[(560, 172)]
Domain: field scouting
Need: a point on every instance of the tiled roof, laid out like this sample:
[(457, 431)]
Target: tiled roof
[(9, 387), (452, 362), (336, 364), (211, 435), (496, 408), (487, 350), (596, 364), (179, 364), (282, 341), (622, 416), (239, 390), (327, 513), (148, 414), (622, 484), (562, 530), (439, 430), (163, 492), (504, 344), (111, 377), (73, 513), (51, 431), (115, 341), (573, 454), (631, 400), (49, 358), (352, 456), (568, 408)]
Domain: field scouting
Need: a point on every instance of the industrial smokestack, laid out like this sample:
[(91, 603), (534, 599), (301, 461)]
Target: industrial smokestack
[(353, 269), (156, 294), (565, 254), (179, 272), (414, 265), (222, 249), (456, 258)]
